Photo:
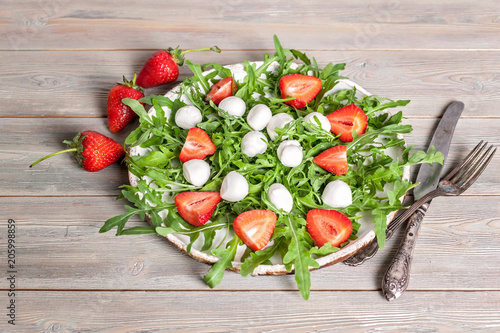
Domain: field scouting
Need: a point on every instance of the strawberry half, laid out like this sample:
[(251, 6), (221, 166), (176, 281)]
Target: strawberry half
[(222, 89), (347, 119), (119, 114), (196, 208), (328, 226), (255, 227), (333, 160), (197, 145), (92, 150), (303, 87)]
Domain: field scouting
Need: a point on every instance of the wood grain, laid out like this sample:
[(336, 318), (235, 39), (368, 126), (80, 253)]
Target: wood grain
[(255, 312), (59, 59), (61, 175), (61, 249), (39, 25), (76, 84)]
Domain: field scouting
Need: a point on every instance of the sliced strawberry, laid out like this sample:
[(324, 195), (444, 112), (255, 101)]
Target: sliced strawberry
[(347, 119), (222, 89), (303, 87), (255, 227), (196, 208), (333, 160), (328, 226), (197, 145)]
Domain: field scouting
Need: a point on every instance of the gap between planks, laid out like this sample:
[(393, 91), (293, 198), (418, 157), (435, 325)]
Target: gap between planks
[(104, 117), (259, 50), (244, 290)]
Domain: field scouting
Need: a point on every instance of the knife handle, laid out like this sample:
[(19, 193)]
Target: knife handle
[(397, 277)]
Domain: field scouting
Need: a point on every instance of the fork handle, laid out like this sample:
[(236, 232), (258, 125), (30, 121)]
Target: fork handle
[(397, 277)]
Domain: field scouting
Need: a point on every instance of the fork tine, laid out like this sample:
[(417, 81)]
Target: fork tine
[(478, 169), (467, 160), (470, 165)]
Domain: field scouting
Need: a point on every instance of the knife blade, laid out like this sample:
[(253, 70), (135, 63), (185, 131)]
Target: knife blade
[(397, 277)]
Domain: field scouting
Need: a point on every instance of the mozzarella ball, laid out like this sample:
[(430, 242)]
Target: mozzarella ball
[(278, 121), (234, 187), (337, 194), (314, 117), (280, 197), (290, 153), (233, 105), (254, 143), (196, 172), (188, 117), (259, 116)]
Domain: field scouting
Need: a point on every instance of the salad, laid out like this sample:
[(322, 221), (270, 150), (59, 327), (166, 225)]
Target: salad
[(274, 163)]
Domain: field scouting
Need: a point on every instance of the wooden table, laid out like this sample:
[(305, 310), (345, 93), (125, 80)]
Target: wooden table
[(60, 59)]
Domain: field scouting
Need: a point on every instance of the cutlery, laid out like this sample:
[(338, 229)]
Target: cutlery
[(428, 177), (397, 277)]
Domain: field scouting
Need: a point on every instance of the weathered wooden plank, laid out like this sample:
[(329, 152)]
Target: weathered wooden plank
[(254, 312), (28, 139), (76, 84), (383, 24), (59, 247)]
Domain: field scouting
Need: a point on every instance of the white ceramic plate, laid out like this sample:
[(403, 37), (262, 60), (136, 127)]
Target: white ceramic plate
[(365, 233)]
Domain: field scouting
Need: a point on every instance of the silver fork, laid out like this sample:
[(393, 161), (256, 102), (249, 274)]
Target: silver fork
[(454, 183)]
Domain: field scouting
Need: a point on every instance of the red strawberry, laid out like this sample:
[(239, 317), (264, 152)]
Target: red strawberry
[(92, 150), (222, 89), (197, 145), (303, 87), (119, 114), (196, 208), (255, 227), (347, 119), (163, 66), (333, 160), (328, 226)]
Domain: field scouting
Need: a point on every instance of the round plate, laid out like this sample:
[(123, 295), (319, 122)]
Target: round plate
[(365, 233)]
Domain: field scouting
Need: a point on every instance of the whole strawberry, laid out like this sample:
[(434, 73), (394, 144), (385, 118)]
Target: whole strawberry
[(92, 150), (163, 66), (119, 114)]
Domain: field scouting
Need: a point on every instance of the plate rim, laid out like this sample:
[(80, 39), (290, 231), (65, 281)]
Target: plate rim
[(275, 269)]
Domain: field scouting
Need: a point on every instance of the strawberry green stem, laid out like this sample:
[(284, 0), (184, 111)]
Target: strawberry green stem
[(213, 48), (54, 154)]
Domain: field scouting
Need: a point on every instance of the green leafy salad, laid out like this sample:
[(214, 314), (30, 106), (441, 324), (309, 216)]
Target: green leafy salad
[(374, 177)]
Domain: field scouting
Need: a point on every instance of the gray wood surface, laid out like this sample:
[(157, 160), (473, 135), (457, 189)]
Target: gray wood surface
[(58, 60)]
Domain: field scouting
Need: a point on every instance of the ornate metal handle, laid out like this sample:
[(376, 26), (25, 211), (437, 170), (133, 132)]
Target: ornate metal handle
[(397, 277)]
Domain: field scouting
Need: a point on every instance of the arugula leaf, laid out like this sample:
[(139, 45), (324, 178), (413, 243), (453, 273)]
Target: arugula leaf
[(299, 255), (374, 176), (216, 273), (380, 226), (257, 258)]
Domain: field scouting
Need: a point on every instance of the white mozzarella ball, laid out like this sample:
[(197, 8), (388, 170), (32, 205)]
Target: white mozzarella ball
[(234, 187), (188, 117), (290, 153), (337, 194), (196, 172), (233, 105), (259, 116), (314, 117), (278, 121), (280, 197), (254, 143)]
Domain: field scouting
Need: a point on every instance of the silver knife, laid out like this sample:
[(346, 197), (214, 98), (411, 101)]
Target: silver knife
[(371, 248), (397, 277)]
